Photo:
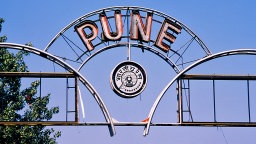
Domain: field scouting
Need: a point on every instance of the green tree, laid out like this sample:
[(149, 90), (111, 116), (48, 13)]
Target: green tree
[(13, 100)]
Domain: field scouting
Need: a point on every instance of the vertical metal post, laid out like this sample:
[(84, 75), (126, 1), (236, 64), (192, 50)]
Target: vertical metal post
[(128, 39), (190, 114), (248, 98), (214, 102), (40, 88), (180, 102), (76, 99), (129, 52), (67, 99), (40, 93)]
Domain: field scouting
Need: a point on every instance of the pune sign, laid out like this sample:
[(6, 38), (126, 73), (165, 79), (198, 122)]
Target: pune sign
[(138, 30), (129, 29), (128, 79)]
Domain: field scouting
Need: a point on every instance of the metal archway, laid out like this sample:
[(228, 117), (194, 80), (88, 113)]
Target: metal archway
[(71, 71), (183, 72), (66, 36), (174, 58)]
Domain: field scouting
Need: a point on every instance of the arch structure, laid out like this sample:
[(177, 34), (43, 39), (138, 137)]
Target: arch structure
[(71, 73), (183, 75), (129, 33), (127, 27)]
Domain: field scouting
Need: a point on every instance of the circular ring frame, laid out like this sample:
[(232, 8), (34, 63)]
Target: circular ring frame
[(128, 79)]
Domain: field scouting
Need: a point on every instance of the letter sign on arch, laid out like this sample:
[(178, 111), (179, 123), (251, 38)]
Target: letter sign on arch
[(136, 32), (129, 58)]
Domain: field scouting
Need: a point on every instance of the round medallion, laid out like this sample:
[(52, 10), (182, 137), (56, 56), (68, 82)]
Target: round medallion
[(128, 79)]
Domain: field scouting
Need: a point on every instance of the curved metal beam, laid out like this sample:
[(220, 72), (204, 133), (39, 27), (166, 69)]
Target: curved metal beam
[(66, 66), (158, 53), (203, 60)]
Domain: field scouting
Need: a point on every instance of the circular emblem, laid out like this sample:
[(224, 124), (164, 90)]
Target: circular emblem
[(128, 79)]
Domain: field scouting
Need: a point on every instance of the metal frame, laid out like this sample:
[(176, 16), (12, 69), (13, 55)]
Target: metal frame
[(182, 74), (38, 74), (69, 69), (128, 43), (214, 78)]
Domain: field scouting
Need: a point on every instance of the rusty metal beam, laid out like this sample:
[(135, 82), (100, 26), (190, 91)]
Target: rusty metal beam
[(220, 124), (73, 123), (38, 74), (218, 77), (44, 123)]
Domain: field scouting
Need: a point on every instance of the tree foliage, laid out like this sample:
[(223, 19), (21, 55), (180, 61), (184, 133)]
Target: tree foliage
[(22, 105)]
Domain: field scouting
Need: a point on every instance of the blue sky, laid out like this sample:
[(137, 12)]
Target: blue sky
[(222, 25)]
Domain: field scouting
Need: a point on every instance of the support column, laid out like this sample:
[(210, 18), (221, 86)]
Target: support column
[(180, 102)]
